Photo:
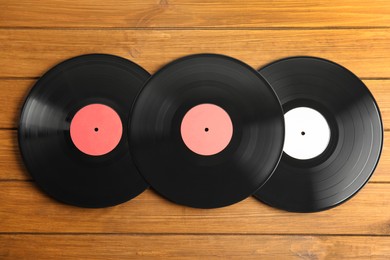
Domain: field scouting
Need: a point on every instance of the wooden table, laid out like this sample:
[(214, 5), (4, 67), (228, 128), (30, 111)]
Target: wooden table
[(35, 35)]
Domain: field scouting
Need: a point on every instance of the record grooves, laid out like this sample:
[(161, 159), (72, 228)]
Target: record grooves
[(72, 131), (303, 134), (322, 179), (188, 101)]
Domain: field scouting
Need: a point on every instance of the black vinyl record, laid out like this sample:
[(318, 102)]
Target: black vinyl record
[(73, 131), (353, 135), (206, 131)]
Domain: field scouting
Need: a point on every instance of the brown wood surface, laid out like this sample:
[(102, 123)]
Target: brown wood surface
[(108, 246), (194, 13), (24, 208), (29, 53), (35, 35)]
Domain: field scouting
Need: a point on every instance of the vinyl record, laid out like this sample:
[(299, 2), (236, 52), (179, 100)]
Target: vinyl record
[(333, 137), (206, 131), (73, 131)]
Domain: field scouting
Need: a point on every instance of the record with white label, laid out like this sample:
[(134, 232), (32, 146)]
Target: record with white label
[(73, 131), (333, 135)]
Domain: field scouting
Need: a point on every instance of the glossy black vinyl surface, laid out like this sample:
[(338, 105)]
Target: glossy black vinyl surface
[(55, 164), (356, 135), (195, 180)]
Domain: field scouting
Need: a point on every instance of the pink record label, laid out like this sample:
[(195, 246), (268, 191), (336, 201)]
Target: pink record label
[(96, 129), (206, 129)]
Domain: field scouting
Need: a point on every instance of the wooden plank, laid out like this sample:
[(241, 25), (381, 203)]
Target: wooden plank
[(14, 94), (11, 164), (17, 90), (194, 13), (380, 89), (12, 168), (24, 208), (192, 247), (29, 53)]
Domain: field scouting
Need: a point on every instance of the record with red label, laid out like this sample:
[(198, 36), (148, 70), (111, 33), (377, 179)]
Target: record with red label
[(333, 139), (73, 131), (206, 131)]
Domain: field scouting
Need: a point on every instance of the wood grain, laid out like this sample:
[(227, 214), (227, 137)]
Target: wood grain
[(194, 13), (192, 247), (12, 167), (11, 103), (24, 208), (29, 53), (36, 35)]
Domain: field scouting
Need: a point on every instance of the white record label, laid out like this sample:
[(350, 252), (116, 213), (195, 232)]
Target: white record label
[(307, 133)]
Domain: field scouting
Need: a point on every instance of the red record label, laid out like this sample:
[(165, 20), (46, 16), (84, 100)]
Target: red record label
[(96, 129), (206, 129)]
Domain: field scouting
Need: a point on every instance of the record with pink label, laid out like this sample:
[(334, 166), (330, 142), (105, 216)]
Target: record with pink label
[(206, 131), (72, 133)]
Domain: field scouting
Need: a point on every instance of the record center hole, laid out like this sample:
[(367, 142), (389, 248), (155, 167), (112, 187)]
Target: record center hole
[(96, 129), (206, 129), (303, 133)]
